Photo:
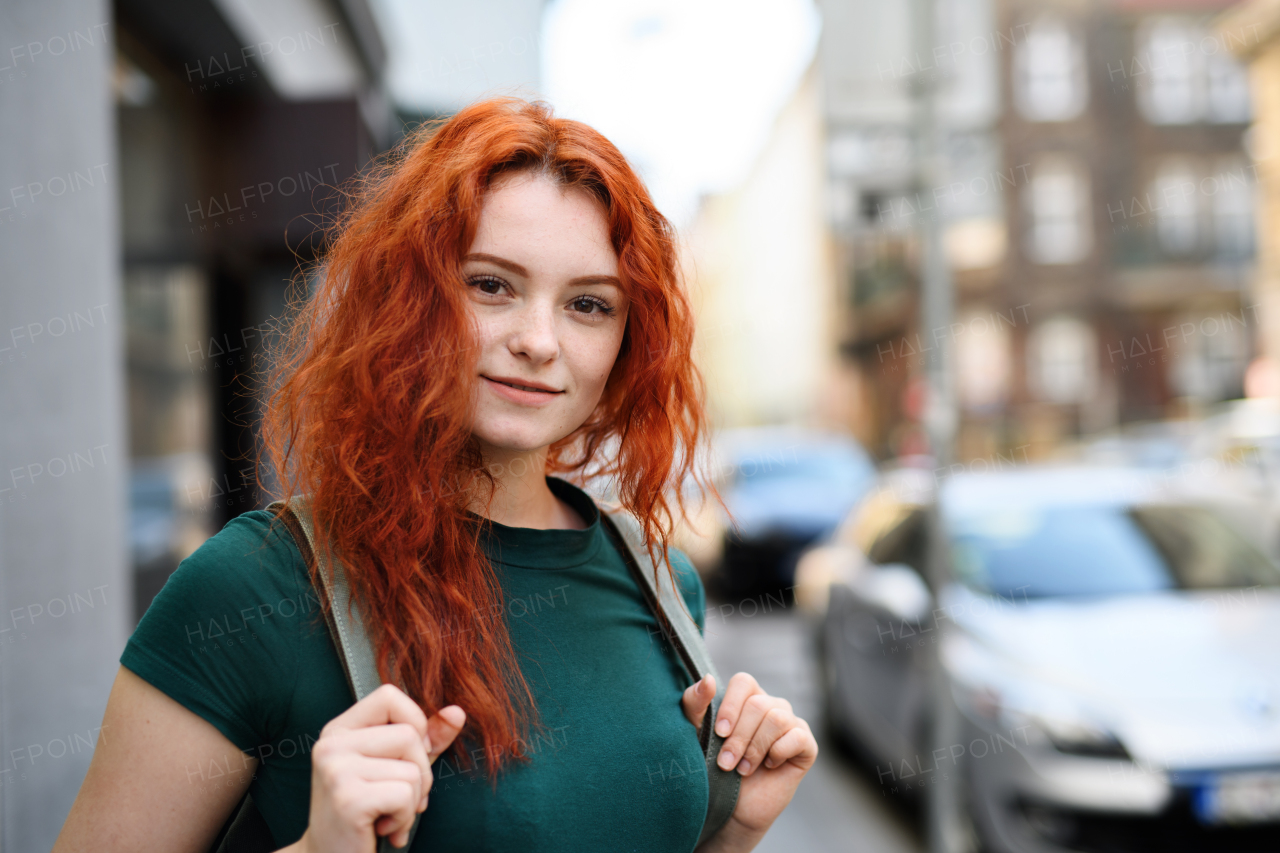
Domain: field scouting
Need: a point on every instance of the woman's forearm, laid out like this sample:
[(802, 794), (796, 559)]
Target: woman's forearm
[(733, 837)]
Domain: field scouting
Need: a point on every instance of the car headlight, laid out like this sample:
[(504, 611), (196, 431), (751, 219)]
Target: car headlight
[(1043, 713), (1064, 728), (1077, 736)]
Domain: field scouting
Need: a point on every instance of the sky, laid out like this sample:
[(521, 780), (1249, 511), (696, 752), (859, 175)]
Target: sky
[(687, 89)]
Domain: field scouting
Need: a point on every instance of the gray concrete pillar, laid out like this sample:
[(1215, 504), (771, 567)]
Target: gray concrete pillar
[(64, 570)]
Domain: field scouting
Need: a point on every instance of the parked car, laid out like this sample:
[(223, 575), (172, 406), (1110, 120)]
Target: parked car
[(785, 488), (1057, 659), (1236, 446)]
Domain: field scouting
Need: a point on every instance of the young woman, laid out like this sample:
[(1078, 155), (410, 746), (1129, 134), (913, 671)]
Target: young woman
[(500, 304)]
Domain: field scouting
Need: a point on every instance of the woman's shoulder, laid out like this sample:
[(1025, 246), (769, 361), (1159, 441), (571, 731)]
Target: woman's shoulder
[(257, 534), (252, 556), (687, 578), (222, 635)]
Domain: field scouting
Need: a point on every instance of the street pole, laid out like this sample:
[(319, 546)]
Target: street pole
[(948, 829), (935, 277)]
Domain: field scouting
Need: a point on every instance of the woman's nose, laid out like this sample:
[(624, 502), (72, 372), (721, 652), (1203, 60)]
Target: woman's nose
[(533, 333)]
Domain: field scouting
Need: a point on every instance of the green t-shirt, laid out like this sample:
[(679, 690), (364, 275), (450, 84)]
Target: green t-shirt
[(236, 636)]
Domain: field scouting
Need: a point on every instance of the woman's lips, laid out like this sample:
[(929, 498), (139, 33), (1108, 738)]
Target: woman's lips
[(524, 395)]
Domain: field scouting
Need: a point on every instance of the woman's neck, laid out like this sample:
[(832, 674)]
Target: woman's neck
[(521, 496)]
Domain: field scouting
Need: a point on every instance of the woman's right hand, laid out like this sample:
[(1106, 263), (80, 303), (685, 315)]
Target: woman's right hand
[(371, 771)]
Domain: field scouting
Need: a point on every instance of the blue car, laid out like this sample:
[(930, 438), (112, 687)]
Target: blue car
[(785, 488)]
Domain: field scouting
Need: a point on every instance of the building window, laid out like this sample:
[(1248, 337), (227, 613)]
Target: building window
[(1187, 75), (1202, 212), (1209, 364), (1057, 203), (1049, 80), (1170, 90), (1175, 202), (983, 366), (1231, 190), (1062, 360), (1228, 90)]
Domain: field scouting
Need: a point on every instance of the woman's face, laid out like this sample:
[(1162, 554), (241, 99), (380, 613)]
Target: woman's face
[(542, 279)]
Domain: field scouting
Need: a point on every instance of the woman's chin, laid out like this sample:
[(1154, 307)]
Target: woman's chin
[(506, 443)]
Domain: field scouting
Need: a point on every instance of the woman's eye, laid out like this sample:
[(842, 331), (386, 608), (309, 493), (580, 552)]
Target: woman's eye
[(590, 305), (489, 286)]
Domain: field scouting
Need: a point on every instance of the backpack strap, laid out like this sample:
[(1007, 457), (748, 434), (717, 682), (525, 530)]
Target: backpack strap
[(346, 624), (359, 663), (678, 627)]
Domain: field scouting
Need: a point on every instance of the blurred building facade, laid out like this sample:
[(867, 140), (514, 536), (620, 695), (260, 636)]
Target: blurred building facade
[(1260, 21), (872, 70), (235, 126), (1131, 230), (759, 262), (1098, 210)]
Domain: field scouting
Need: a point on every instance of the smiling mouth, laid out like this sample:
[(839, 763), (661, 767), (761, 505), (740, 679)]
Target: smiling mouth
[(522, 387)]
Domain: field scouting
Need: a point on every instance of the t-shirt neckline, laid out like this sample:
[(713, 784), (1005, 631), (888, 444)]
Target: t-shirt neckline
[(530, 548)]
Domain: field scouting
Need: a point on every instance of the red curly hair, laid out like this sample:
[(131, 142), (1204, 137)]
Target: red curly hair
[(370, 412)]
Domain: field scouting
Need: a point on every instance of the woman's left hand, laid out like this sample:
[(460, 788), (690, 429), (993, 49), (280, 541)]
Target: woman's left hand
[(769, 745)]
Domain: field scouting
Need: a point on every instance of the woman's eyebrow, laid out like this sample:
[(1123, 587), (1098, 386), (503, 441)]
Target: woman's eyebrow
[(584, 280), (512, 266)]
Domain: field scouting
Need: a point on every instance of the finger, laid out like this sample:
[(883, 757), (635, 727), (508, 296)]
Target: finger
[(390, 770), (697, 698), (359, 772), (735, 746), (797, 746), (392, 741), (387, 704), (395, 824), (777, 721), (388, 804), (442, 728), (396, 829), (741, 687), (399, 836)]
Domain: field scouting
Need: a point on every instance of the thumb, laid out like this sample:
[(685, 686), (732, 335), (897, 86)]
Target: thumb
[(442, 728), (697, 698)]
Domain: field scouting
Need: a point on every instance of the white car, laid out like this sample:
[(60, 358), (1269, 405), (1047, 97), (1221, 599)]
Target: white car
[(1058, 659)]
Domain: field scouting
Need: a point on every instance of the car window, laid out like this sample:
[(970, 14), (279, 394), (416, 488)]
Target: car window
[(1101, 550), (904, 542), (838, 465), (1202, 551)]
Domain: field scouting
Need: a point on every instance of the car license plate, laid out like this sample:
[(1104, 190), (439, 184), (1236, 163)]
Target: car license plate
[(1239, 798)]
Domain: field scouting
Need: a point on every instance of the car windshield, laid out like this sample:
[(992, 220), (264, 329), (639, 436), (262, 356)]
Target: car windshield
[(1102, 550), (836, 465)]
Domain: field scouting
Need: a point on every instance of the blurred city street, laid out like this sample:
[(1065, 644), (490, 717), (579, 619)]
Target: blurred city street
[(838, 807), (983, 295)]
